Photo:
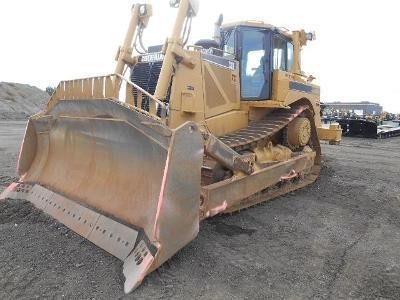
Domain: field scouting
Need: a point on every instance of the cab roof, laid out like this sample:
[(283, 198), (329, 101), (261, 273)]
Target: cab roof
[(257, 24)]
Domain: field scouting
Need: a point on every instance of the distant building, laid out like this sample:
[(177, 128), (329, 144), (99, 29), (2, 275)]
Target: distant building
[(358, 108)]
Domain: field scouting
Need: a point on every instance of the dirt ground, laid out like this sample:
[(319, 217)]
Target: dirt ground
[(339, 238)]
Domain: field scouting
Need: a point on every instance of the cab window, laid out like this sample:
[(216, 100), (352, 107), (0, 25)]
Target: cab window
[(229, 44), (252, 65), (282, 54)]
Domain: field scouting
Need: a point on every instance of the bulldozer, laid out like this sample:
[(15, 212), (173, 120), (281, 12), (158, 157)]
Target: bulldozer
[(133, 161)]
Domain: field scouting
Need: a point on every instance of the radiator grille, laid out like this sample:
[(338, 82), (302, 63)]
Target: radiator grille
[(145, 75)]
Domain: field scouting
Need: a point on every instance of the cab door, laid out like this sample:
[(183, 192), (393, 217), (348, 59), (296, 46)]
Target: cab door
[(255, 64)]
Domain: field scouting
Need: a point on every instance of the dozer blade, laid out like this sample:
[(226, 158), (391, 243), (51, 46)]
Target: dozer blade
[(118, 177)]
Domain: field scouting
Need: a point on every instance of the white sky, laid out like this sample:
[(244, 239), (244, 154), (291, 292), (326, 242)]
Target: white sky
[(354, 58)]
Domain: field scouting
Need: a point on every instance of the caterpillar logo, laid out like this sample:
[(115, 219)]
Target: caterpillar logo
[(152, 57)]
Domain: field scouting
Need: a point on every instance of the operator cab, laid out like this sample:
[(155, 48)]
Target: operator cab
[(260, 49)]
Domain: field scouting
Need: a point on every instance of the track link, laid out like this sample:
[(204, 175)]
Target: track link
[(262, 129)]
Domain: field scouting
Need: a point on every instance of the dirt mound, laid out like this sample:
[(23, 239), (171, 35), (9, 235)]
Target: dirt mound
[(19, 101)]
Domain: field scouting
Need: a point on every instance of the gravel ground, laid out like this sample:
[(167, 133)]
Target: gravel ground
[(338, 238), (19, 101)]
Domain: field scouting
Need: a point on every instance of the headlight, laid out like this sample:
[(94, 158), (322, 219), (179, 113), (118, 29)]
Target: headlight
[(174, 3), (142, 10), (311, 36)]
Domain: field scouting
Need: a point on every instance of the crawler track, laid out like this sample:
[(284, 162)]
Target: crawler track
[(246, 139), (263, 129)]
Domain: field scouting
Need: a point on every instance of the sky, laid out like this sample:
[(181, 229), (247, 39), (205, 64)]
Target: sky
[(355, 56)]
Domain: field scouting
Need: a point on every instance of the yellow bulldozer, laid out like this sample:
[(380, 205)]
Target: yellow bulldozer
[(134, 162)]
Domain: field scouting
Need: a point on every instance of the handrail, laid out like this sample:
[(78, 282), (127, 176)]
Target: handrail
[(106, 87), (159, 102)]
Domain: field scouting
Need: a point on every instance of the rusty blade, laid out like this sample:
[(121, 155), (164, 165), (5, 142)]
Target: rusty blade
[(115, 176)]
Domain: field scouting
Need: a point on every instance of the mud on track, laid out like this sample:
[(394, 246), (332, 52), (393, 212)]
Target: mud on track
[(339, 238)]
